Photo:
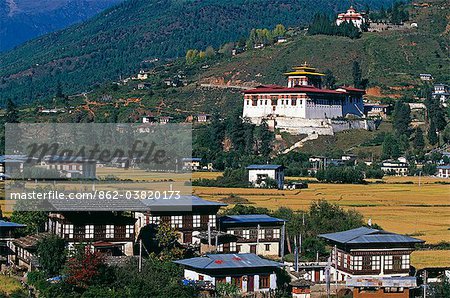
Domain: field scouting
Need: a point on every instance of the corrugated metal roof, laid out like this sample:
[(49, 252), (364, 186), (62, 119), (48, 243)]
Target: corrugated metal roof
[(250, 218), (8, 224), (398, 281), (228, 261), (124, 204), (367, 235), (264, 167)]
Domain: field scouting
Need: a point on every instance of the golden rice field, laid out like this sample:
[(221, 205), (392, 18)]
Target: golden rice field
[(419, 209)]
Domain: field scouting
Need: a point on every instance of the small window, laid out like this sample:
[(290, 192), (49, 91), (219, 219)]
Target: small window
[(129, 231), (267, 247), (264, 281), (89, 230), (196, 221), (261, 234), (68, 231), (276, 233), (201, 277), (246, 234), (109, 231), (176, 221), (212, 220), (294, 102)]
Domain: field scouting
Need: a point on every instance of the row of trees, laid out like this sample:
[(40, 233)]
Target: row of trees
[(265, 36), (397, 14), (232, 142), (194, 56)]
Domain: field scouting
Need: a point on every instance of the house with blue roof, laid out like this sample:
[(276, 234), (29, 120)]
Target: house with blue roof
[(260, 234), (368, 254), (189, 215), (259, 175), (7, 229), (249, 272)]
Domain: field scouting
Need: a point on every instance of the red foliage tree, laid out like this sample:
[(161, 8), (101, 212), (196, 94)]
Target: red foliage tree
[(83, 267)]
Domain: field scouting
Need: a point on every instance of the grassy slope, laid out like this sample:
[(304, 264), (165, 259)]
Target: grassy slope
[(118, 40)]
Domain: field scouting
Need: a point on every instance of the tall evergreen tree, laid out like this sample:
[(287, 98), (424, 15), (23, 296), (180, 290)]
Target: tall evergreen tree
[(401, 118), (357, 74), (432, 135), (12, 113), (419, 142), (330, 79)]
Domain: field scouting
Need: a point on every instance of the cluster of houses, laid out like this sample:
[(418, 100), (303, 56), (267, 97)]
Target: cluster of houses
[(246, 250)]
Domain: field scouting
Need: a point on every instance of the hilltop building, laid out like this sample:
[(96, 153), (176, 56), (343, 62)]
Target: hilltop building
[(441, 91), (304, 107), (351, 15)]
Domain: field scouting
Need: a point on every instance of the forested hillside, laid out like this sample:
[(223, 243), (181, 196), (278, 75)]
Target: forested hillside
[(22, 20), (118, 41)]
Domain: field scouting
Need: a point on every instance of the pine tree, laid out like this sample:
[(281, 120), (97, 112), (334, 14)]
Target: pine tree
[(432, 135), (12, 114), (330, 79), (401, 118), (419, 142), (357, 74)]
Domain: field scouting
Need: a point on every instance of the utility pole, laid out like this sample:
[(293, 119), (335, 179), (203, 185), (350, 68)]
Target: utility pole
[(283, 232), (336, 269), (140, 255), (257, 238), (209, 236)]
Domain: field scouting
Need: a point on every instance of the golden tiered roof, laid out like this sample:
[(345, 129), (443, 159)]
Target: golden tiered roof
[(304, 69)]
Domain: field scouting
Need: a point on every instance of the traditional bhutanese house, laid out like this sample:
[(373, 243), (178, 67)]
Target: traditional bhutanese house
[(301, 288), (363, 255), (351, 15), (191, 163), (24, 251), (189, 215), (110, 233), (71, 166), (443, 171), (303, 98), (259, 174), (249, 272), (425, 77), (376, 110), (260, 234), (395, 167), (203, 118), (7, 229), (441, 92)]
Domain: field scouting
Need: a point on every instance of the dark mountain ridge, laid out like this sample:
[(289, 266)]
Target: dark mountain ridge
[(116, 42)]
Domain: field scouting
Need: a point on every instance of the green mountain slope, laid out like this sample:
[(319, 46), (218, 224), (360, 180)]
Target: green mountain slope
[(117, 41)]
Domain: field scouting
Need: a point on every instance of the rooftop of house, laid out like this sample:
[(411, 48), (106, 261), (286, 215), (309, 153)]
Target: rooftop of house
[(183, 203), (30, 241), (228, 261), (250, 218), (9, 224), (264, 167), (396, 281), (301, 89), (446, 167), (365, 235)]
